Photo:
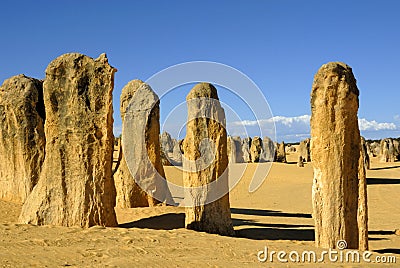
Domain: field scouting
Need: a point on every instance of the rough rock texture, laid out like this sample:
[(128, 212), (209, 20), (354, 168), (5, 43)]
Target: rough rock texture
[(268, 150), (290, 149), (22, 141), (280, 153), (256, 149), (141, 143), (176, 155), (362, 210), (129, 194), (375, 149), (206, 163), (304, 150), (235, 154), (364, 153), (339, 192), (167, 144), (246, 143), (396, 146), (388, 152), (300, 163), (76, 187), (369, 149), (170, 150), (164, 159)]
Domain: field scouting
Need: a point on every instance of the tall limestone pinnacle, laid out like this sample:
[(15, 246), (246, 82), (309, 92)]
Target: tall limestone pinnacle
[(141, 145), (22, 140), (75, 187), (205, 163), (339, 187), (129, 193)]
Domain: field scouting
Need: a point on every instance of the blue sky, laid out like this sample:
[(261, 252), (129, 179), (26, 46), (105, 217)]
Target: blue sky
[(278, 44)]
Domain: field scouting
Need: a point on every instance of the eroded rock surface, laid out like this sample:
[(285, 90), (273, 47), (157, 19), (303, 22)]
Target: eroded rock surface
[(388, 150), (256, 149), (22, 139), (281, 153), (205, 163), (129, 193), (246, 144), (141, 144), (75, 187), (339, 187), (304, 150), (235, 153), (268, 150)]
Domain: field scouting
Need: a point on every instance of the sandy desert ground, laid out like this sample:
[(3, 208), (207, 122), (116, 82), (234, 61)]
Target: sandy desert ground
[(277, 215)]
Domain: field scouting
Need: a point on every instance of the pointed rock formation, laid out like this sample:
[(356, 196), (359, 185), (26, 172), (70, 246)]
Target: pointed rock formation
[(167, 147), (364, 153), (362, 210), (290, 149), (304, 150), (256, 149), (235, 153), (300, 163), (129, 194), (246, 143), (206, 163), (22, 140), (268, 150), (281, 153), (396, 146), (75, 187), (176, 155), (141, 144), (339, 193), (388, 152), (170, 150), (375, 149), (167, 144)]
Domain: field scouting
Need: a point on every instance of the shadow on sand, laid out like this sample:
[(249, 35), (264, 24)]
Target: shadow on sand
[(388, 250), (276, 234), (382, 168), (168, 221), (255, 230), (273, 231), (372, 181), (272, 213), (381, 232)]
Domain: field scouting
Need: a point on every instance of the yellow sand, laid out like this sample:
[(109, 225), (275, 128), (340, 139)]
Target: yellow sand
[(277, 215)]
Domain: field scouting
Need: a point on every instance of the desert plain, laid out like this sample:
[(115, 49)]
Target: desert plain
[(277, 216)]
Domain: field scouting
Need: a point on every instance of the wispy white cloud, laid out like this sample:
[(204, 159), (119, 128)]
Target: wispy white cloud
[(296, 127), (291, 129), (366, 125), (289, 121)]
